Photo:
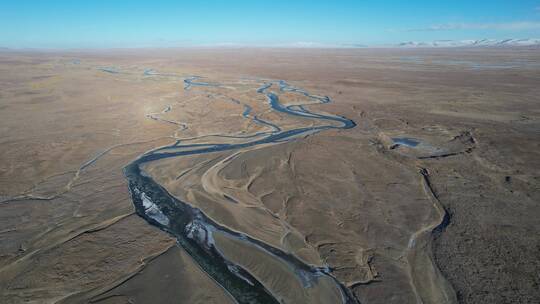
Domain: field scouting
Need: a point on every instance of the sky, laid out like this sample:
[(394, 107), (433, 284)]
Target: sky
[(160, 23)]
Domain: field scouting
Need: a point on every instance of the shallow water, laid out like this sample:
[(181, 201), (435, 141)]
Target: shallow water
[(110, 70), (406, 141)]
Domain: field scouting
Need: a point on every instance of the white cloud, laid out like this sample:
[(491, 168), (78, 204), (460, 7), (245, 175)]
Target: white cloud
[(506, 26)]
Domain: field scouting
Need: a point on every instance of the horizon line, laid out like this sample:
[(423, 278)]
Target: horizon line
[(401, 45)]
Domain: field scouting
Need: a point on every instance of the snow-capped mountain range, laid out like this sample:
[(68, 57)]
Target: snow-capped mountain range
[(473, 43)]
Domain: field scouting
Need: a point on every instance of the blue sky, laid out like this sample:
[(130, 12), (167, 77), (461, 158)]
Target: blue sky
[(118, 23)]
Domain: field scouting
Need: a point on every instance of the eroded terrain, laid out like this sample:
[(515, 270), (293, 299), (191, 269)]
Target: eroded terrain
[(296, 176)]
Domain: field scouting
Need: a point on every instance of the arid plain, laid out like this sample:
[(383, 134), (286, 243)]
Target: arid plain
[(270, 176)]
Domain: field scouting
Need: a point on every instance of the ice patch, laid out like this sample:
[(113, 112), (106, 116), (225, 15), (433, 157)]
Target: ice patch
[(236, 270), (197, 230), (152, 210)]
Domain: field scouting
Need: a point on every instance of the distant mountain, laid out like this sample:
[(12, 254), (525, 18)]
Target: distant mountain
[(472, 43)]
